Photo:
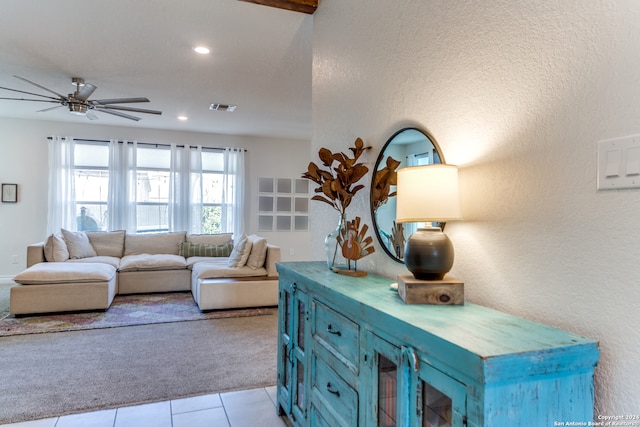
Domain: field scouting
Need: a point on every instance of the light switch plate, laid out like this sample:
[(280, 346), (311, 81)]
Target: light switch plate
[(619, 163)]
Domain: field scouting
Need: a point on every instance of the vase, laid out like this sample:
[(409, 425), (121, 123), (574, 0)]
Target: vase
[(332, 247)]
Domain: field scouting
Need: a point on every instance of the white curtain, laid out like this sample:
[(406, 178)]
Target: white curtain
[(62, 204), (185, 189), (179, 189), (233, 192), (195, 203), (123, 176)]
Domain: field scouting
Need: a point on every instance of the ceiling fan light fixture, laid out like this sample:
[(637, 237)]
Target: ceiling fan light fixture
[(76, 108)]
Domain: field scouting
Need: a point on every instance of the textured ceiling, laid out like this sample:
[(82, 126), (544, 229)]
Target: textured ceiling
[(260, 60)]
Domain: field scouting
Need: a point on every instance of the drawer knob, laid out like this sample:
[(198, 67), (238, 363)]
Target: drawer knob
[(332, 390), (333, 331)]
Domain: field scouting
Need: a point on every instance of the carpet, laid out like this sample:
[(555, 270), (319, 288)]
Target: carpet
[(53, 374), (126, 310)]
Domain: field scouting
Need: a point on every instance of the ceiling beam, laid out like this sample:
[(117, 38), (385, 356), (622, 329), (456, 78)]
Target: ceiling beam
[(304, 6)]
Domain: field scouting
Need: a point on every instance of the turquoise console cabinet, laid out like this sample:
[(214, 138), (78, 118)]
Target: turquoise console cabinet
[(351, 353)]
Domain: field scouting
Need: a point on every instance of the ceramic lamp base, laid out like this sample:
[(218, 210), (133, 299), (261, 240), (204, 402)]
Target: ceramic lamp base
[(428, 254)]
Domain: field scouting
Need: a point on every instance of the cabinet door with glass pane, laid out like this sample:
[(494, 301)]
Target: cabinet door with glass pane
[(292, 341), (440, 399), (388, 384), (406, 391)]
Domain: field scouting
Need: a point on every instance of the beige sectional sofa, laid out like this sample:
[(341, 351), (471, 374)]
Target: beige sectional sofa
[(74, 271)]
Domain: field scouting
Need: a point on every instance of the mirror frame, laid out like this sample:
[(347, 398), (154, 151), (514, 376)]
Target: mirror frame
[(381, 160)]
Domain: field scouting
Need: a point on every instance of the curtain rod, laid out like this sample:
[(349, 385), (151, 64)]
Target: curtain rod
[(141, 143)]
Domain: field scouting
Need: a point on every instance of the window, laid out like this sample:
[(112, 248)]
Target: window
[(152, 189), (145, 188), (91, 183), (212, 193)]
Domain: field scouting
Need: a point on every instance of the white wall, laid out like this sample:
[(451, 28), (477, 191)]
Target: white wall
[(517, 94), (23, 160)]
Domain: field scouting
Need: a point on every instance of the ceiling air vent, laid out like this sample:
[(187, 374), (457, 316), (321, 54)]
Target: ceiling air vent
[(222, 107)]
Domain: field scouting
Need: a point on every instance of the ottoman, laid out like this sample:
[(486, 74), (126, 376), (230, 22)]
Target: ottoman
[(216, 286), (51, 287)]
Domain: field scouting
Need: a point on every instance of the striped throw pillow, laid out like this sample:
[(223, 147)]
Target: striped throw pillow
[(188, 249)]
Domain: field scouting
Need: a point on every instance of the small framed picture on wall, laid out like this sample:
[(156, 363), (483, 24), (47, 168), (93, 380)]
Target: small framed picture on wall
[(9, 193)]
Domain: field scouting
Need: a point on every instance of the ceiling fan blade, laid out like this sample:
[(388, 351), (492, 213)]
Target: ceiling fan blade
[(91, 116), (117, 113), (49, 109), (86, 91), (40, 86), (34, 100), (28, 93), (119, 100), (118, 107)]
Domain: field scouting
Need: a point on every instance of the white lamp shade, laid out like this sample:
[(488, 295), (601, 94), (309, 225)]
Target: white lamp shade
[(428, 194)]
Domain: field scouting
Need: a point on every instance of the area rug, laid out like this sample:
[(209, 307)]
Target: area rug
[(48, 375), (126, 310)]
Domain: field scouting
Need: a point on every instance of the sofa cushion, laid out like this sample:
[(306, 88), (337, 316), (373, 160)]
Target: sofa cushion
[(196, 259), (210, 239), (217, 267), (152, 262), (258, 252), (188, 249), (107, 243), (111, 260), (65, 272), (153, 243), (240, 252), (78, 244), (55, 249)]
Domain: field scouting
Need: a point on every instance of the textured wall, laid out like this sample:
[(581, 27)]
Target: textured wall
[(517, 94)]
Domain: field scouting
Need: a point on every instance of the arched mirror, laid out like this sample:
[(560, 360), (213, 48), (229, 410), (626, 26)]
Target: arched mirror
[(407, 147)]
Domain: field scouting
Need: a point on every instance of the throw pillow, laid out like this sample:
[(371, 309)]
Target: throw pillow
[(240, 252), (154, 243), (78, 244), (258, 252), (55, 249), (107, 243), (194, 249)]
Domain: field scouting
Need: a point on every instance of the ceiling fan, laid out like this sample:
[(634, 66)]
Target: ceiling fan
[(79, 102)]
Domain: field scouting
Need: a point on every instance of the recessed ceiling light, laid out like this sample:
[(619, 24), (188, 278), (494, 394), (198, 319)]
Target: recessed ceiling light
[(202, 50), (183, 118)]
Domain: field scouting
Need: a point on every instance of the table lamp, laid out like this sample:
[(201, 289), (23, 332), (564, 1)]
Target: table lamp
[(428, 194)]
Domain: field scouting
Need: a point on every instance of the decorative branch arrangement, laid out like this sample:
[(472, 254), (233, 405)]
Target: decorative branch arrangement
[(337, 184), (384, 179)]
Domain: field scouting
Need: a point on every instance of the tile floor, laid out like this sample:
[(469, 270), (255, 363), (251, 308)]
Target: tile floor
[(248, 408)]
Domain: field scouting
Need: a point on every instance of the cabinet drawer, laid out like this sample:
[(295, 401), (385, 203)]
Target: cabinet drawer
[(337, 333), (341, 400)]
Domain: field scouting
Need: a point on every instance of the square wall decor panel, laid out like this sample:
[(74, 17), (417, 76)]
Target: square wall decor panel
[(283, 204), (265, 204), (301, 223), (283, 223), (265, 185), (302, 186), (265, 223), (284, 185)]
